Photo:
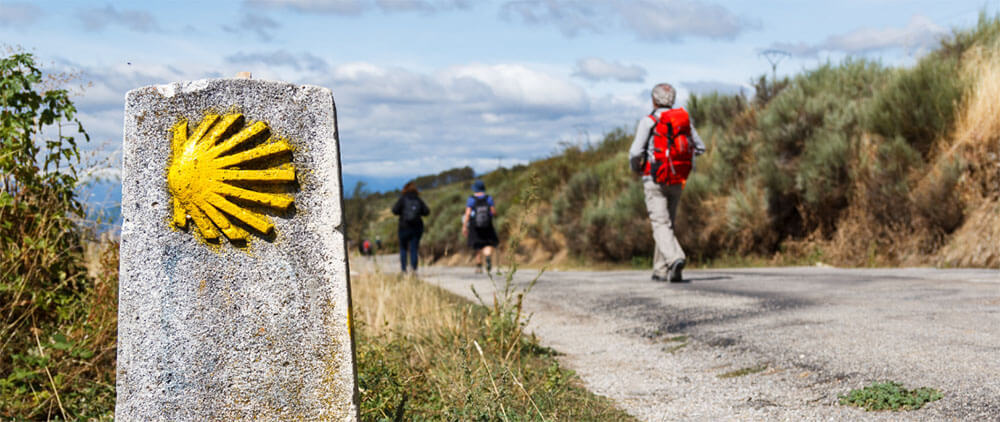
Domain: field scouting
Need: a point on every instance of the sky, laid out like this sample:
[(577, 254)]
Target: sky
[(422, 86)]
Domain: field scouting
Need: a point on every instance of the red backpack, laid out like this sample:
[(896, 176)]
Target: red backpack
[(672, 152)]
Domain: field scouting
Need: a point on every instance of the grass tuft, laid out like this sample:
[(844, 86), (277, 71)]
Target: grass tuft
[(744, 371), (889, 396)]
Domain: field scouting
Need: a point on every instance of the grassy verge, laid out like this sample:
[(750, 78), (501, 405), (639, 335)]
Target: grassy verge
[(425, 354)]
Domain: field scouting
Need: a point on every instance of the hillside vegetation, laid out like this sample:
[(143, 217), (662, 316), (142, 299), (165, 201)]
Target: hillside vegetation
[(851, 163)]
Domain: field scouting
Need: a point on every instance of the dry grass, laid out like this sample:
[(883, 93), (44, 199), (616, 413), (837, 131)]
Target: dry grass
[(425, 354), (977, 243), (392, 305), (977, 145)]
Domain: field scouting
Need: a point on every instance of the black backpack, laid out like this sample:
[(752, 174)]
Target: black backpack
[(481, 215), (411, 210)]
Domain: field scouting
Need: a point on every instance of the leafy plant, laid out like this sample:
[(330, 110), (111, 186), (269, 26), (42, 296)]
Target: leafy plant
[(57, 325), (890, 395)]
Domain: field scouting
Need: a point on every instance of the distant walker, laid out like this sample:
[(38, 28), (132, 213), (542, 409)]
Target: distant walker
[(477, 225), (411, 210)]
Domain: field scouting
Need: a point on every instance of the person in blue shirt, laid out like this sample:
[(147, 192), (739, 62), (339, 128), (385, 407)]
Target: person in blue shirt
[(477, 225)]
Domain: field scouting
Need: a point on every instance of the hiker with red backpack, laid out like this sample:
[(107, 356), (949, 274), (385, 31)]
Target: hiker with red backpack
[(663, 152), (411, 210), (477, 225)]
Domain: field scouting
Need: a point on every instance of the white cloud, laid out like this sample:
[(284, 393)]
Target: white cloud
[(570, 16), (595, 69), (672, 20), (97, 19), (920, 34), (520, 86), (357, 70), (420, 5), (491, 118), (339, 7), (18, 13), (708, 87), (255, 24), (302, 61), (650, 20), (356, 7)]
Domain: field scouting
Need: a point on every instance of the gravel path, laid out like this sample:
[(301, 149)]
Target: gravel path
[(806, 335)]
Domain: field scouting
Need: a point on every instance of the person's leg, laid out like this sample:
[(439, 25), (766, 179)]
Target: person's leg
[(659, 262), (663, 234), (488, 252), (479, 260), (414, 246), (673, 194), (403, 238)]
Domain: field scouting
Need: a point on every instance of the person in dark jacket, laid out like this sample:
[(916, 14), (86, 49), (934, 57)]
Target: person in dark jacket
[(411, 210)]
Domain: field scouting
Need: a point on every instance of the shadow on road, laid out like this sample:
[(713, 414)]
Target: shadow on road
[(690, 279)]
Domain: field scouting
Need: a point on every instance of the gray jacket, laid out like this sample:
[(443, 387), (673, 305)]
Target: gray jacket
[(644, 134)]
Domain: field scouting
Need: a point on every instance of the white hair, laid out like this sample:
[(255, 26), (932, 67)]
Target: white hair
[(664, 95)]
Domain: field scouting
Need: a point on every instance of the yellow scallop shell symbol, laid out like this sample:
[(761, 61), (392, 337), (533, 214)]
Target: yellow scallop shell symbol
[(205, 176)]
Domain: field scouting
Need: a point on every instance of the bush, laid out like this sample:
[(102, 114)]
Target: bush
[(918, 104), (715, 109), (616, 231), (807, 135), (58, 331)]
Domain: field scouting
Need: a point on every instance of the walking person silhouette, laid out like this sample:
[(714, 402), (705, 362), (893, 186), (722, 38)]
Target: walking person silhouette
[(411, 210), (477, 225)]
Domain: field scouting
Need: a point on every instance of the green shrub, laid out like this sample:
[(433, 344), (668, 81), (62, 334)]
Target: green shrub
[(808, 132), (715, 109), (918, 104), (616, 231), (58, 326)]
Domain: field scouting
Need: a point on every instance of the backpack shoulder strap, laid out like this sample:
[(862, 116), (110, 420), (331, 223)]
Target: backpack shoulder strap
[(652, 129)]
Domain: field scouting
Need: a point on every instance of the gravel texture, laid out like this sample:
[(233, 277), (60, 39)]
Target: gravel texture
[(214, 331), (804, 335)]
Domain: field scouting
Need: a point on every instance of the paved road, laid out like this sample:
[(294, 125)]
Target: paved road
[(659, 349)]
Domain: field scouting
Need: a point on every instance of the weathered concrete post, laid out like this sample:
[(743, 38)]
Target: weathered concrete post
[(234, 299)]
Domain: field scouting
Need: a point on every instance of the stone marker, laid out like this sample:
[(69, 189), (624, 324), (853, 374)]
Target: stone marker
[(234, 299)]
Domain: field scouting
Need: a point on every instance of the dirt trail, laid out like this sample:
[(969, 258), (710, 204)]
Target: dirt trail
[(802, 336)]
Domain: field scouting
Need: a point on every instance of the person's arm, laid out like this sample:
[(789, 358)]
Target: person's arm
[(398, 208), (493, 207), (465, 221), (424, 210), (637, 151), (699, 146)]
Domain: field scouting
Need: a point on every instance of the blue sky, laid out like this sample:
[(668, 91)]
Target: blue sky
[(426, 85)]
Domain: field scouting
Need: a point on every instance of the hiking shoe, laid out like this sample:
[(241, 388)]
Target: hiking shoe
[(674, 274), (658, 278)]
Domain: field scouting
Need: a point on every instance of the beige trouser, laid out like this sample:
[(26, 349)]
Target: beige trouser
[(661, 202)]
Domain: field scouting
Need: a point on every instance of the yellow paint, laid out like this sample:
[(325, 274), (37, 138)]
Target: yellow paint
[(199, 177)]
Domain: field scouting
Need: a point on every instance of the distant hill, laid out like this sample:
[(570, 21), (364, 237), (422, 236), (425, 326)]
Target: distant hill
[(373, 184)]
